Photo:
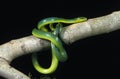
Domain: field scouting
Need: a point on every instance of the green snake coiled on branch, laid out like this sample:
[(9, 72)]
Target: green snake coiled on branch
[(52, 34)]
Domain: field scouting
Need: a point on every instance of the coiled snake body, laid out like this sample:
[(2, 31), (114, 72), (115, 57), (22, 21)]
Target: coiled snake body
[(58, 52)]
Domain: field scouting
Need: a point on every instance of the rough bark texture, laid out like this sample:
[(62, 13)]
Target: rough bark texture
[(69, 34)]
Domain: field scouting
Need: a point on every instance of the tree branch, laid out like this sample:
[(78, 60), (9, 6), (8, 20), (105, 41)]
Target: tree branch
[(69, 34), (91, 27)]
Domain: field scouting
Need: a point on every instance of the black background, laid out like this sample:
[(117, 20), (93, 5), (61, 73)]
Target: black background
[(18, 18)]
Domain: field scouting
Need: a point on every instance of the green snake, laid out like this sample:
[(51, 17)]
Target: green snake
[(52, 34)]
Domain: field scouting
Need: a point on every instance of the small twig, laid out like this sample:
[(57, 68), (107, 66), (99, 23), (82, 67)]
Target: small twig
[(69, 34)]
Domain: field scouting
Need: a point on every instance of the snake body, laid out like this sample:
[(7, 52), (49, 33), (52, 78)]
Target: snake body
[(58, 52)]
